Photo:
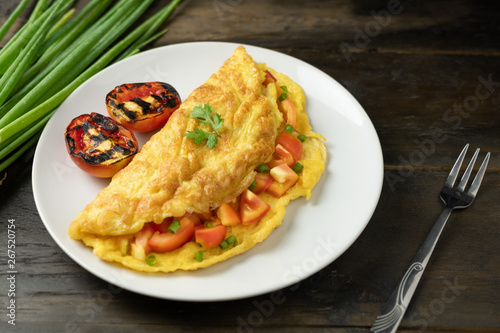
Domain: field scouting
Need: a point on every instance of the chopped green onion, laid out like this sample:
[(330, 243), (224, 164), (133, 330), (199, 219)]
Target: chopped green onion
[(199, 256), (283, 95), (289, 128), (231, 239), (174, 226), (151, 259), (302, 137), (297, 167), (224, 245), (208, 224), (252, 186), (263, 168)]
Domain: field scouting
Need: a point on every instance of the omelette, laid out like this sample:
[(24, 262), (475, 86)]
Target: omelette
[(174, 176)]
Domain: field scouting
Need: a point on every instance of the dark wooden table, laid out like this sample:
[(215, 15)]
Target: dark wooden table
[(428, 75)]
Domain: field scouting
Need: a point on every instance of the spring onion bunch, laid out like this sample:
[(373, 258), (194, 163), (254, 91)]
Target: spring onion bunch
[(55, 51)]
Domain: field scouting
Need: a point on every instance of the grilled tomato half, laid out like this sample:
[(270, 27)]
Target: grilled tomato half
[(99, 145), (142, 107)]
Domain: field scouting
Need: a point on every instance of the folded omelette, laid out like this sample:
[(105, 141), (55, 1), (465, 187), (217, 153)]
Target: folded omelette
[(172, 175)]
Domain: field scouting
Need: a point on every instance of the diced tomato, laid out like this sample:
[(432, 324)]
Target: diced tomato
[(99, 145), (278, 189), (280, 156), (211, 236), (142, 107), (252, 208), (288, 109), (269, 78), (228, 215), (140, 247), (283, 173), (262, 182), (291, 143), (164, 242), (143, 236)]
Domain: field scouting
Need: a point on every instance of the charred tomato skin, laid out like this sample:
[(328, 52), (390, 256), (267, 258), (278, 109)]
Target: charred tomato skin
[(99, 145), (144, 106)]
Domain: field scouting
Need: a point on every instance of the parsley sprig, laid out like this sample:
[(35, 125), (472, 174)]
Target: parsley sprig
[(205, 115)]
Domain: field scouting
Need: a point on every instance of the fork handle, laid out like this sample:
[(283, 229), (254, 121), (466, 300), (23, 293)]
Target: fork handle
[(396, 306)]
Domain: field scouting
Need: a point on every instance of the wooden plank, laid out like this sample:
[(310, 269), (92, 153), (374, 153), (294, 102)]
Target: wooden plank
[(349, 292)]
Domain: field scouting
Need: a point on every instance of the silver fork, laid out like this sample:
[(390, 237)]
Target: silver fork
[(453, 198)]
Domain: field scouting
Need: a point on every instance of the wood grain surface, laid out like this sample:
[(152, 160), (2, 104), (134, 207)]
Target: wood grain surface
[(428, 75)]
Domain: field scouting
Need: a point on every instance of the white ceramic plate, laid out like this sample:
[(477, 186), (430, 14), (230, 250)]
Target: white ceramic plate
[(313, 234)]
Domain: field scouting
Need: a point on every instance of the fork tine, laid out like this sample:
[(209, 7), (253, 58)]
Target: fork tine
[(465, 177), (456, 168), (479, 177)]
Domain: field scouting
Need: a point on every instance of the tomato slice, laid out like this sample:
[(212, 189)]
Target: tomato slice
[(142, 107), (288, 109), (278, 189), (211, 236), (280, 156), (98, 145), (252, 208), (291, 143), (228, 215), (168, 241), (282, 173), (269, 78), (262, 182)]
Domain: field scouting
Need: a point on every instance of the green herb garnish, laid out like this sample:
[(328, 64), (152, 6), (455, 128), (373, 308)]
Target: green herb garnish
[(174, 226), (231, 240), (252, 186), (151, 259), (205, 115), (302, 137), (284, 94), (297, 167), (199, 256), (289, 128), (263, 168)]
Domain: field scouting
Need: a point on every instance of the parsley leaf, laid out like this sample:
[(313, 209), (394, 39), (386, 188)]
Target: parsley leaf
[(204, 115), (199, 135)]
